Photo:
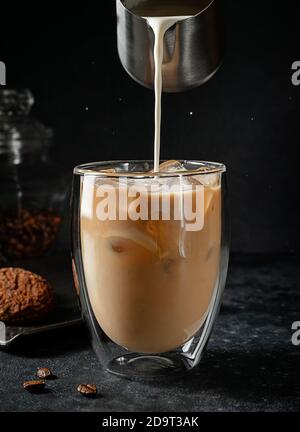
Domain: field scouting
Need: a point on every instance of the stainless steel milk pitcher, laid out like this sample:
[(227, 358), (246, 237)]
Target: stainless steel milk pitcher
[(193, 48)]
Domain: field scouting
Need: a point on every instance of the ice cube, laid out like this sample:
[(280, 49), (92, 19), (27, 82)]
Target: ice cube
[(135, 235), (171, 166), (110, 170), (133, 167), (141, 167), (210, 180), (185, 244), (183, 182)]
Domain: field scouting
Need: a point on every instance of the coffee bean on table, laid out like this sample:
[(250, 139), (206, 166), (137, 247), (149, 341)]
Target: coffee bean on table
[(88, 390), (34, 386), (44, 373)]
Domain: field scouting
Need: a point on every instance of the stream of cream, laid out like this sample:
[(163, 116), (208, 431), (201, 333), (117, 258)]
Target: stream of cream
[(159, 25)]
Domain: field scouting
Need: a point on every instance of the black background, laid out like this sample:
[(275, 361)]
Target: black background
[(247, 116)]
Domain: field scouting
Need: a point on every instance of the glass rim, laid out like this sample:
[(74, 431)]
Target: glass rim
[(94, 169)]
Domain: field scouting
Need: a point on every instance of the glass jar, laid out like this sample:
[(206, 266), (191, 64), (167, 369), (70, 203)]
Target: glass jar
[(32, 188)]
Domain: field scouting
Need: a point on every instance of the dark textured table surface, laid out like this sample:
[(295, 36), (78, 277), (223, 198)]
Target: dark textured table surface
[(250, 364)]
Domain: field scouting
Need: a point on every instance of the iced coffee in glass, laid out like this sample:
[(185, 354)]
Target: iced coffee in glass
[(150, 259)]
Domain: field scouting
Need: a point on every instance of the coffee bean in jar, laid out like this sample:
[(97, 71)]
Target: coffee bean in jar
[(32, 187), (27, 233)]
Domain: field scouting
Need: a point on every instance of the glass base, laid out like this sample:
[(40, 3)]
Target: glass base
[(148, 367)]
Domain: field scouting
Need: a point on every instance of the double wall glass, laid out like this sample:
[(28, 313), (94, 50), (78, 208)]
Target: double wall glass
[(150, 258)]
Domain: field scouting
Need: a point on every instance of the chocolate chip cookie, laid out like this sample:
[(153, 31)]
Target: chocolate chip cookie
[(24, 296)]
